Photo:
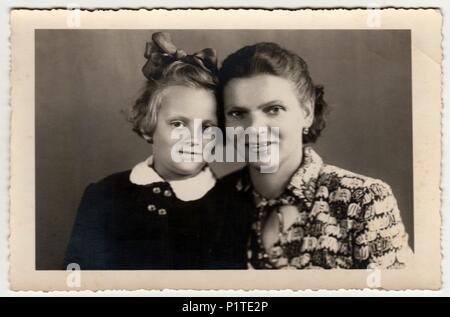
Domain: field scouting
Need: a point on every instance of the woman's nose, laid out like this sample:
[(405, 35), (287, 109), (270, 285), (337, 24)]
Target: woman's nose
[(257, 121)]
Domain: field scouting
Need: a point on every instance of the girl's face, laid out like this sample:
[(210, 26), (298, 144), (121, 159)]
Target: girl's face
[(268, 101), (180, 106)]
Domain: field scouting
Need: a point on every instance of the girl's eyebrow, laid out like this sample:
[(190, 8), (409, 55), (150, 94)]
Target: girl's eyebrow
[(178, 118), (186, 119)]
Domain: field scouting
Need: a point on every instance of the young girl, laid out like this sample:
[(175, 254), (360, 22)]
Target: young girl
[(163, 213), (305, 214)]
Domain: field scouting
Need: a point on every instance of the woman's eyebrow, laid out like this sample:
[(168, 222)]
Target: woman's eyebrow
[(208, 121), (270, 103)]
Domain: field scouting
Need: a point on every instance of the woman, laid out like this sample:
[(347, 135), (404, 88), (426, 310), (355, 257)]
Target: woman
[(304, 214), (163, 213)]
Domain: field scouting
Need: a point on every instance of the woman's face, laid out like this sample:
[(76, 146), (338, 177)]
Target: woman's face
[(180, 106), (268, 101)]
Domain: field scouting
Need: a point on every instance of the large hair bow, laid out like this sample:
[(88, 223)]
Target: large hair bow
[(161, 52)]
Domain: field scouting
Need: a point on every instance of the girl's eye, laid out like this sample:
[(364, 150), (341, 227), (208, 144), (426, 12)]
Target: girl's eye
[(177, 124), (274, 110), (236, 114)]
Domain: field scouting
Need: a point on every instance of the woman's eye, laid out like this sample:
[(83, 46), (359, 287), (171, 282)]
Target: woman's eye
[(235, 114), (207, 126), (177, 124), (274, 110)]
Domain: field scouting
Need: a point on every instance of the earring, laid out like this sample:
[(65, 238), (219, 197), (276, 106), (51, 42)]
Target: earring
[(305, 131)]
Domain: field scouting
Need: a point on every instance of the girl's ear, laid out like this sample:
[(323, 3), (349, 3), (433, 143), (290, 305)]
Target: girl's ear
[(147, 138)]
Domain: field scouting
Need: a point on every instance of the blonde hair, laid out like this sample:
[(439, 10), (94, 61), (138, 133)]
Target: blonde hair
[(144, 112)]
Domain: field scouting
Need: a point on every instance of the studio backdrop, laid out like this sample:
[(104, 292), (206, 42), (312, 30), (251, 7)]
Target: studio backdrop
[(87, 79)]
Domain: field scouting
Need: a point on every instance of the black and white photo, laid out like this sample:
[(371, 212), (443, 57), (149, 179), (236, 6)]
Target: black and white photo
[(233, 151)]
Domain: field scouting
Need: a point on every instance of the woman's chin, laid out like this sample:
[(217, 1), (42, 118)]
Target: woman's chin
[(263, 166), (262, 160)]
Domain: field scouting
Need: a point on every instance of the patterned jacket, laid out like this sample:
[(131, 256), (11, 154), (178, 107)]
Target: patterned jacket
[(344, 220)]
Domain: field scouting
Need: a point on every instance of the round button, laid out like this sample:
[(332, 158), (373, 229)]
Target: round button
[(162, 212), (156, 190), (151, 207), (167, 193)]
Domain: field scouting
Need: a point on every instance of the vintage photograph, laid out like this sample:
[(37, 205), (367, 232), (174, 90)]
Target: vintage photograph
[(342, 103), (220, 152)]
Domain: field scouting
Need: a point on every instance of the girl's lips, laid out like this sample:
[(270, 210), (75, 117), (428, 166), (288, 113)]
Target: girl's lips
[(261, 144), (189, 153)]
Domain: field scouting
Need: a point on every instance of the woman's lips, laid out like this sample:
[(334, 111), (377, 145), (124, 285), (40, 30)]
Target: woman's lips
[(260, 147)]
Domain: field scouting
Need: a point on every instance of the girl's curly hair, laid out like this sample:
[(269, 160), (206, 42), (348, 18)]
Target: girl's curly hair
[(144, 112), (169, 66)]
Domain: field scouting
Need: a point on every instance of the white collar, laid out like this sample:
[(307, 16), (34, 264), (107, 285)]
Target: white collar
[(187, 189)]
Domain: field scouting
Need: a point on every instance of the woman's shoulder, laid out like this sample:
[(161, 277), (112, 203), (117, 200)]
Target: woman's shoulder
[(364, 199), (371, 213), (336, 178)]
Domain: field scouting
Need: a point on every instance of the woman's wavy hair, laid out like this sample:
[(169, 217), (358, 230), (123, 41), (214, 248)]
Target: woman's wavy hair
[(272, 59), (167, 66)]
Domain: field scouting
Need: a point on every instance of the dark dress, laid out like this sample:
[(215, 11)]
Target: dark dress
[(124, 226)]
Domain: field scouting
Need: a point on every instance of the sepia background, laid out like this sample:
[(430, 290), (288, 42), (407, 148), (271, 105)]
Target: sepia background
[(85, 79)]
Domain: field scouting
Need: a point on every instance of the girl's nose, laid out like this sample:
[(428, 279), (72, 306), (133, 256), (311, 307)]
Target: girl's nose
[(196, 135)]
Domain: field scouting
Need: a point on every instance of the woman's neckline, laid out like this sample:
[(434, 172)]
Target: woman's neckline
[(272, 185)]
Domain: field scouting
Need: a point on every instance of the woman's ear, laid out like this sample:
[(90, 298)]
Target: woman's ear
[(308, 110)]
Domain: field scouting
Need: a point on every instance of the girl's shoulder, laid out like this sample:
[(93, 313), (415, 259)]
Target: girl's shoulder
[(114, 186), (115, 179), (119, 181), (100, 190)]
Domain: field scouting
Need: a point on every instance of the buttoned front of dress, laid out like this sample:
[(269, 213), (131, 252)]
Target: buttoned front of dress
[(126, 225), (176, 225)]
